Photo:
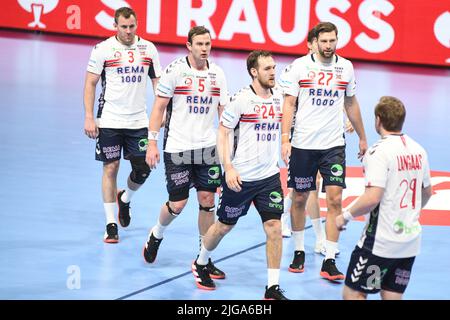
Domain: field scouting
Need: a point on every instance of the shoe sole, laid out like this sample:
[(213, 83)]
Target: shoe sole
[(110, 241), (203, 287), (145, 259), (327, 276), (118, 214), (296, 270), (216, 277)]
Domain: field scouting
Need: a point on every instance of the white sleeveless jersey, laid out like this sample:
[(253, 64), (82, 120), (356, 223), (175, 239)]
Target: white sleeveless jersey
[(257, 124), (320, 89), (399, 165), (124, 72), (192, 110)]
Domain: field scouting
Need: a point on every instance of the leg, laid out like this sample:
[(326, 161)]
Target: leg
[(274, 244), (274, 247), (286, 216), (201, 266), (313, 209), (109, 189), (351, 294), (109, 181), (178, 181), (213, 237), (139, 173), (206, 222), (169, 211), (329, 270), (107, 140), (135, 146), (298, 210), (334, 206), (391, 295), (298, 230), (206, 211)]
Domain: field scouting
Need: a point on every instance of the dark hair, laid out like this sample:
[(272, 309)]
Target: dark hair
[(195, 31), (124, 12), (311, 35), (391, 112), (325, 27), (252, 59)]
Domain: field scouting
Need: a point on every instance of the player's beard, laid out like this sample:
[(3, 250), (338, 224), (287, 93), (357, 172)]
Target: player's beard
[(326, 55), (268, 84)]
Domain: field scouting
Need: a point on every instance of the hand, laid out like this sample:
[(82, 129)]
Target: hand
[(348, 127), (233, 180), (90, 128), (362, 149), (152, 155), (286, 152), (341, 222)]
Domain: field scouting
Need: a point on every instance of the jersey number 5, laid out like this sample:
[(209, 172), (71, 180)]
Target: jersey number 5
[(201, 85)]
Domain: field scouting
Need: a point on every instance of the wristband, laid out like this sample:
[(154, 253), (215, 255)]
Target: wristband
[(347, 215), (153, 135)]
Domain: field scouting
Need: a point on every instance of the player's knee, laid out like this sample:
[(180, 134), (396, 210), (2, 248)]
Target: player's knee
[(111, 168), (334, 202), (299, 198), (175, 208), (222, 229), (206, 199), (272, 226), (139, 170)]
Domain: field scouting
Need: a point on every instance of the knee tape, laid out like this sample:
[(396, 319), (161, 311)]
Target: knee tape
[(207, 209), (175, 214)]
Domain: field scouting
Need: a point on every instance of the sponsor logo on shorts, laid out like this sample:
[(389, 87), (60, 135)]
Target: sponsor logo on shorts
[(276, 198), (337, 171), (214, 174), (143, 144)]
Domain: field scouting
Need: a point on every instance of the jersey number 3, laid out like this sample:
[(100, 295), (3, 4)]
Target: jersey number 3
[(130, 57)]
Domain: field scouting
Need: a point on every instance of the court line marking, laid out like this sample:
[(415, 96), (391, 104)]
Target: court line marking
[(190, 272)]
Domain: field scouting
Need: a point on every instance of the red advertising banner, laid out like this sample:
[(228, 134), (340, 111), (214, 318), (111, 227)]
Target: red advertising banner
[(405, 31)]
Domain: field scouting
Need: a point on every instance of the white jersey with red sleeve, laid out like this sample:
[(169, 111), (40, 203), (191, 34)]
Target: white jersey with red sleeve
[(320, 89), (257, 124), (195, 96), (400, 166), (124, 73)]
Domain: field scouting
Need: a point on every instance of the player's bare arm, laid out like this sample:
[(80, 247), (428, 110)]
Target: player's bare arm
[(90, 128), (354, 115), (364, 204), (232, 177), (286, 124), (152, 156)]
